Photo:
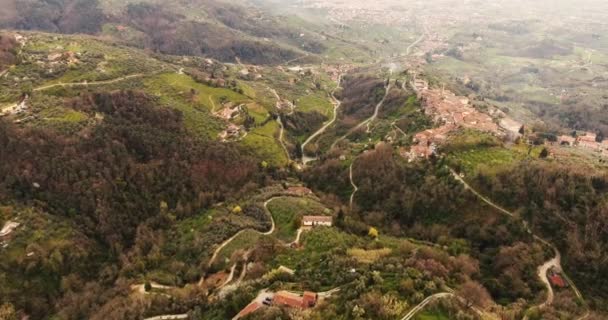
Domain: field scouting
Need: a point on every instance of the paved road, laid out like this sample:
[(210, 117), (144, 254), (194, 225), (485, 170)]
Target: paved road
[(337, 103)]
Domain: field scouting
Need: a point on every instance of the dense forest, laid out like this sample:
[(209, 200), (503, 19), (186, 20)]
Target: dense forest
[(569, 206), (8, 54), (130, 168), (422, 200), (65, 16), (113, 176)]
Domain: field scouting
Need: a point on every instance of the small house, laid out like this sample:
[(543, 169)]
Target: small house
[(314, 221)]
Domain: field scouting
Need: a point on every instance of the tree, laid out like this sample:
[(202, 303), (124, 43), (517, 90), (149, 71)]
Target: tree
[(373, 232), (544, 153), (7, 312), (600, 136), (474, 294)]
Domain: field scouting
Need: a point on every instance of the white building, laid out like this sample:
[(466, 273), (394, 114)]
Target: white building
[(314, 221)]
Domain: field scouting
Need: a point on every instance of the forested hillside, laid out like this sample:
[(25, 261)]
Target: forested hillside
[(226, 34), (566, 204)]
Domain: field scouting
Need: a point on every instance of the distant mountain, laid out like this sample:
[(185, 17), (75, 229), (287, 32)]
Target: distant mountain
[(218, 30)]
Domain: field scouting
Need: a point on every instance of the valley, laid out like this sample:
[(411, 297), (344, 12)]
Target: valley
[(283, 159)]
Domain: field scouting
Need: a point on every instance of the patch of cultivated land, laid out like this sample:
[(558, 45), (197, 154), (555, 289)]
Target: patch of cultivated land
[(263, 141), (287, 213)]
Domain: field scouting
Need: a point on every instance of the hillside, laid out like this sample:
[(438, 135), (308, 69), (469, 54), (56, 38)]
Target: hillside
[(224, 32), (206, 159)]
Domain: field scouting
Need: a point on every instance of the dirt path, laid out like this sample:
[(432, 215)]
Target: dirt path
[(281, 137), (141, 288), (298, 236), (85, 83), (366, 121), (425, 302), (230, 276), (297, 59), (352, 183), (415, 43), (555, 262), (337, 103), (212, 104), (169, 317), (225, 243)]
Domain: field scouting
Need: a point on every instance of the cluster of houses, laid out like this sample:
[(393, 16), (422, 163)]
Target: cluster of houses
[(250, 73), (452, 111), (586, 141), (232, 132), (229, 111)]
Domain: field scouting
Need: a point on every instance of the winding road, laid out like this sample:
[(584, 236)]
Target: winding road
[(225, 243), (337, 103), (352, 183), (554, 263), (281, 139), (425, 302), (368, 120), (415, 43)]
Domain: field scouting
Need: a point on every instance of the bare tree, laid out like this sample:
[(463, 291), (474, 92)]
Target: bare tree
[(475, 294)]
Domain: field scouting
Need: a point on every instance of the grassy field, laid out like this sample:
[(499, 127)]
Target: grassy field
[(95, 60), (473, 149), (287, 213), (431, 315), (316, 102), (174, 90), (262, 142), (245, 241)]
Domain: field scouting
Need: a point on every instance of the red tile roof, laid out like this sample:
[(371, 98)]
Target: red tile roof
[(288, 299), (251, 308), (317, 218), (557, 281)]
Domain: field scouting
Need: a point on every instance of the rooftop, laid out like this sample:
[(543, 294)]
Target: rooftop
[(317, 218)]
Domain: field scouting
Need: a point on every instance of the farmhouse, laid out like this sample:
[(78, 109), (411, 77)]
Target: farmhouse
[(303, 301), (313, 221), (566, 140), (588, 141), (299, 191)]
